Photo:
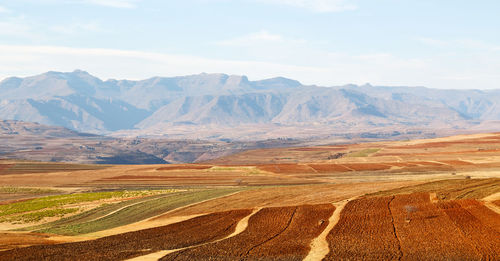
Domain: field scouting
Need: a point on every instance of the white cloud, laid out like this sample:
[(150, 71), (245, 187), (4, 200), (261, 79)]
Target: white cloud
[(432, 42), (108, 3), (326, 69), (111, 63), (75, 28), (19, 26), (257, 38), (321, 6), (470, 44), (4, 10), (112, 3)]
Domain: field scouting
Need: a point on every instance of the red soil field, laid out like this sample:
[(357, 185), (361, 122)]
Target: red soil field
[(293, 244), (123, 246), (326, 168), (497, 202), (14, 240), (426, 233), (481, 212), (402, 164), (286, 168), (5, 166), (485, 239), (366, 166), (446, 144), (272, 233), (179, 178), (364, 231), (411, 227), (457, 162), (265, 225), (426, 163), (185, 167), (430, 168)]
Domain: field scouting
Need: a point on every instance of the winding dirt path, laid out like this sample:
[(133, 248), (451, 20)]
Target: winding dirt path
[(319, 246)]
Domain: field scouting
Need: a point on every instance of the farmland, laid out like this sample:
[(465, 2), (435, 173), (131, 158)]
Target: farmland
[(424, 199)]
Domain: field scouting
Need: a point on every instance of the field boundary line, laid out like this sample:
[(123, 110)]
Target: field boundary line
[(394, 227), (242, 224), (124, 207), (151, 222), (190, 205), (240, 227), (319, 245), (492, 197), (492, 207), (279, 233), (488, 202)]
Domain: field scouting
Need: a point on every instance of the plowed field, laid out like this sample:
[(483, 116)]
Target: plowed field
[(365, 231), (272, 233), (426, 233), (123, 246), (486, 240), (411, 227)]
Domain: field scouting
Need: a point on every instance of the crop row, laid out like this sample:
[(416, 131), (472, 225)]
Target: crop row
[(278, 233), (412, 227), (131, 213), (132, 244), (364, 231)]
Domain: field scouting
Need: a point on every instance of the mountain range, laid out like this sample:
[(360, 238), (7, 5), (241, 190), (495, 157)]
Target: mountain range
[(217, 106)]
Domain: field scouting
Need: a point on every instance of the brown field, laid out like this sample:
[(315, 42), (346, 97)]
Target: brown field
[(412, 227), (15, 240), (329, 168), (276, 233), (425, 232), (451, 189), (191, 232), (185, 167), (5, 167), (286, 168), (285, 196), (365, 230), (433, 199), (485, 239)]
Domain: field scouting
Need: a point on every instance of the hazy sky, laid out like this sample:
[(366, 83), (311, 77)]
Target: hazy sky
[(433, 43)]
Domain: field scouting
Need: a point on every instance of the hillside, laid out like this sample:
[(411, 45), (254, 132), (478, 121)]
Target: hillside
[(176, 107)]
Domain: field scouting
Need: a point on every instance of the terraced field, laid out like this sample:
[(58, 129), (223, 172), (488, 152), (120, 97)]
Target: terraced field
[(191, 232), (110, 216), (273, 233), (412, 227), (408, 200)]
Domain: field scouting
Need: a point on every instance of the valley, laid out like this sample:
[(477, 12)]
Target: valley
[(316, 203)]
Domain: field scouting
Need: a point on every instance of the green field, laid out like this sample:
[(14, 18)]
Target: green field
[(39, 215), (110, 216), (49, 206)]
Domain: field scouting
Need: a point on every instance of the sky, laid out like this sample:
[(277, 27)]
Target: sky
[(449, 44)]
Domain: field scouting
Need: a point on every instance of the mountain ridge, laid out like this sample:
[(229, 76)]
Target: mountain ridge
[(82, 102)]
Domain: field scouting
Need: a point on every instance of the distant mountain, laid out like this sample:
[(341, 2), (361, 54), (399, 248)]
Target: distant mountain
[(215, 102)]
